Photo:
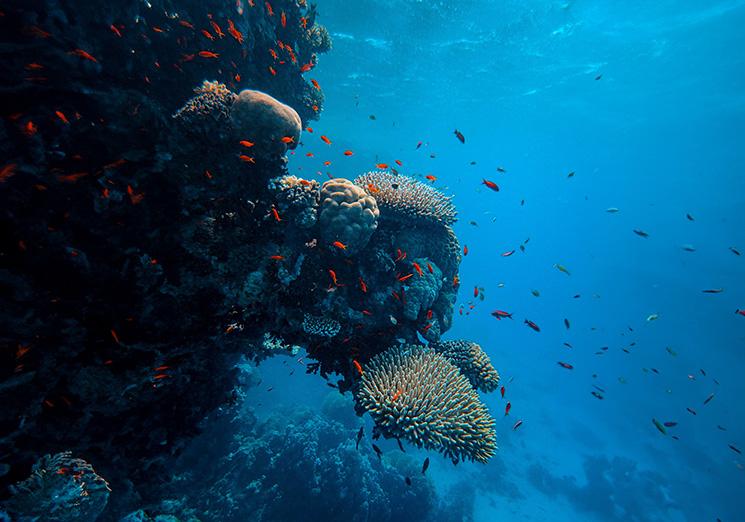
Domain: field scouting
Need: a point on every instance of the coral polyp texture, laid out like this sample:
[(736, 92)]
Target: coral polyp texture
[(60, 489), (416, 394), (348, 216), (213, 101), (320, 326), (406, 199), (472, 361)]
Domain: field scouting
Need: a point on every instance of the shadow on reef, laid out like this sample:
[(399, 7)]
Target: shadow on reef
[(150, 236)]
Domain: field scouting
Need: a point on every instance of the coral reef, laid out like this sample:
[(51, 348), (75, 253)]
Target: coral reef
[(406, 199), (418, 395), (60, 489), (266, 121), (472, 362), (348, 216), (320, 326)]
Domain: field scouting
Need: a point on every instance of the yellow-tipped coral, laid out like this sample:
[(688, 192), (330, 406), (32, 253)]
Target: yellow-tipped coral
[(416, 394), (402, 198), (472, 362)]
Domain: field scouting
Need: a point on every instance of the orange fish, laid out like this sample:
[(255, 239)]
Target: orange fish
[(161, 368), (357, 366), (161, 376), (397, 394), (30, 128), (417, 268), (21, 351), (431, 270), (246, 159), (465, 250), (366, 312), (475, 291), (208, 54), (83, 54), (269, 9), (398, 162), (431, 177), (309, 129), (333, 277), (235, 33), (363, 286), (134, 198), (315, 108), (456, 280), (288, 139), (276, 258), (310, 154), (382, 165), (276, 214), (303, 22), (208, 35), (490, 184), (61, 116), (283, 19), (247, 143), (348, 153), (326, 140), (7, 171), (184, 23), (429, 314), (372, 188), (158, 29), (115, 30), (115, 336), (306, 67), (72, 178), (34, 66), (404, 278), (327, 163), (217, 29), (339, 245), (272, 71), (315, 84), (273, 53)]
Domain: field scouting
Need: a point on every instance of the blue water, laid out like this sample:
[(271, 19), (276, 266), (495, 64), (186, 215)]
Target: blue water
[(659, 135)]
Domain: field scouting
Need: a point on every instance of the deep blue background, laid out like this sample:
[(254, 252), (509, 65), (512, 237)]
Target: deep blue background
[(661, 134)]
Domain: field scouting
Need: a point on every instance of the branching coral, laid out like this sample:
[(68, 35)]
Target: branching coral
[(212, 103), (60, 489), (414, 393), (406, 199), (348, 215), (320, 326), (472, 362)]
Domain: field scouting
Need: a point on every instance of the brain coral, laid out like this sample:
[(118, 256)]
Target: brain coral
[(415, 393), (266, 121), (472, 362), (60, 489), (348, 214), (406, 199), (423, 289)]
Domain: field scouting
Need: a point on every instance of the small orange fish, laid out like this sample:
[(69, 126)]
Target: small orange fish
[(333, 277), (34, 66), (357, 366), (71, 178), (247, 143), (61, 116), (161, 368), (382, 165), (310, 154), (158, 29), (475, 291), (273, 53), (7, 171), (115, 30), (456, 280), (306, 67), (217, 29), (417, 268), (339, 245), (272, 71), (208, 35), (246, 159), (283, 19), (326, 140), (348, 153), (208, 174), (431, 177), (288, 139), (490, 184), (83, 54), (134, 198), (366, 312), (398, 162), (465, 250), (186, 24), (363, 286), (30, 128), (309, 129), (396, 395), (315, 84), (305, 182), (276, 215), (431, 270), (276, 258), (269, 9), (115, 336), (303, 22), (235, 33), (21, 351), (429, 315), (315, 108), (372, 188), (404, 278), (161, 376), (208, 54)]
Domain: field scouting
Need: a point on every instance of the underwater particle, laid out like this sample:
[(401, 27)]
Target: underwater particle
[(320, 326), (472, 361), (405, 199), (435, 406), (652, 317), (60, 489), (347, 215)]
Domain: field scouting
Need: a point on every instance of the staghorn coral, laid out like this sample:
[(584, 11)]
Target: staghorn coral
[(60, 489), (472, 362), (347, 215), (402, 198), (414, 393), (320, 326), (422, 290), (265, 120)]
